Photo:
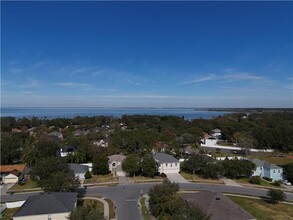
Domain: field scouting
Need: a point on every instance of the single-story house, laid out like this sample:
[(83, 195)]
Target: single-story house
[(167, 163), (10, 178), (47, 206), (217, 206), (20, 170), (115, 164), (265, 169), (79, 170), (56, 134)]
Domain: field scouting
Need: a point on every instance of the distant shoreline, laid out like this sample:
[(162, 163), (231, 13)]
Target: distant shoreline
[(246, 110)]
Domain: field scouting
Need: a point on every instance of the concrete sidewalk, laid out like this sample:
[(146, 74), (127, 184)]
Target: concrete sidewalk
[(230, 182)]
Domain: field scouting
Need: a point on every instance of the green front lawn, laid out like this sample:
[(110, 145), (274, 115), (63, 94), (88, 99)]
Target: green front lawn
[(263, 210), (8, 214), (276, 160), (30, 184), (262, 183), (101, 179), (145, 179), (94, 203), (197, 178)]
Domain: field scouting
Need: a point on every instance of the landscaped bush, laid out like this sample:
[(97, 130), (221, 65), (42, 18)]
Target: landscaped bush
[(277, 183), (88, 175), (255, 180), (163, 175), (268, 178)]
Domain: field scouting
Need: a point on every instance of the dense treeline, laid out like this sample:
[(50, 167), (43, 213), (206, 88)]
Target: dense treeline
[(138, 134)]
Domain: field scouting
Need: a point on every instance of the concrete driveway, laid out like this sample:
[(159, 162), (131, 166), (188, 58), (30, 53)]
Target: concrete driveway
[(5, 187), (176, 177)]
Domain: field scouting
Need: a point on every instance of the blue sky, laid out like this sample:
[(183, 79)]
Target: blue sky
[(147, 54)]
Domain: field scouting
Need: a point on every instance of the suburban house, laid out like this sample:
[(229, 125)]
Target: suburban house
[(65, 151), (79, 170), (217, 133), (47, 206), (56, 135), (115, 164), (167, 163), (265, 169), (13, 173), (217, 206), (102, 143)]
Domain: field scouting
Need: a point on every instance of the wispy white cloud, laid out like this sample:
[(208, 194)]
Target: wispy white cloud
[(30, 83), (146, 96), (231, 77), (82, 70), (15, 70), (72, 84), (244, 76), (211, 77)]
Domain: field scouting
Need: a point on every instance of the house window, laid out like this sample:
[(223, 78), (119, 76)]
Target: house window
[(171, 164), (274, 171), (278, 171), (166, 164), (175, 164)]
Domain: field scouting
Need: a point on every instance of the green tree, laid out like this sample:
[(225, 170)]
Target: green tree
[(53, 175), (100, 165), (149, 167), (187, 211), (85, 213), (166, 204), (47, 166), (60, 181), (80, 157), (288, 170), (131, 164), (163, 198), (276, 195)]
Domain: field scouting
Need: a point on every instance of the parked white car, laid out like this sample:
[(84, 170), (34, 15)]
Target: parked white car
[(286, 182)]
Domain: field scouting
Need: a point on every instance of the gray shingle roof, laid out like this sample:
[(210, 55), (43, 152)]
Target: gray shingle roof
[(165, 158), (261, 163), (257, 162), (78, 168), (271, 166), (218, 206), (48, 203)]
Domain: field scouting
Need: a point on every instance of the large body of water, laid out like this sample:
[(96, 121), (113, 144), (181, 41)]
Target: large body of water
[(187, 113)]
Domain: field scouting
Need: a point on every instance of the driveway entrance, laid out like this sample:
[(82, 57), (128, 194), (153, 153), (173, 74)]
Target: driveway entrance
[(176, 177)]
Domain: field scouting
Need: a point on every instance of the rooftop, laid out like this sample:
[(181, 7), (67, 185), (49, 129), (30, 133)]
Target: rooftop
[(10, 168), (48, 203), (165, 158), (218, 206), (78, 168)]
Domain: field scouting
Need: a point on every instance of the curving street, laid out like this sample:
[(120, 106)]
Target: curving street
[(125, 197)]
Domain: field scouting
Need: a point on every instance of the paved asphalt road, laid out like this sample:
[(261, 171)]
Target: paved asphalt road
[(125, 197)]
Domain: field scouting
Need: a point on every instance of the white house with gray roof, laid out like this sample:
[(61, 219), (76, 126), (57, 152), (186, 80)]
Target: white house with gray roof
[(79, 170), (167, 163), (45, 206), (265, 169)]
